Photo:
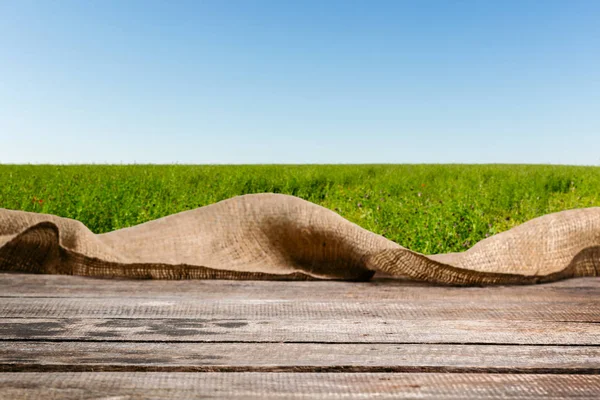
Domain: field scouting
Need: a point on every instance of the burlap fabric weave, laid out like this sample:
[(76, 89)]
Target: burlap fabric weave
[(273, 236)]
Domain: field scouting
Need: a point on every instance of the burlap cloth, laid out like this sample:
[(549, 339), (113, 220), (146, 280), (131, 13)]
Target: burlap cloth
[(273, 236)]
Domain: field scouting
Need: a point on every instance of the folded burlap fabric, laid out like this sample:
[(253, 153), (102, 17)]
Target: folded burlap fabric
[(274, 236)]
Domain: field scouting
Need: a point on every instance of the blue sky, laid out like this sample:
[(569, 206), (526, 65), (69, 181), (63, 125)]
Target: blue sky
[(300, 82)]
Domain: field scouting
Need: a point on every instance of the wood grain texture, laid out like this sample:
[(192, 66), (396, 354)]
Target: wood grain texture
[(73, 337), (309, 331), (32, 285), (295, 357), (509, 309), (307, 385)]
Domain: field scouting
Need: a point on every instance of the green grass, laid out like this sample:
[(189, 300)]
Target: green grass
[(428, 208)]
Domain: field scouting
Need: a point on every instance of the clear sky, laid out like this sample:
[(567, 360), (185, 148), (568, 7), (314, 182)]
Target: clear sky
[(282, 81)]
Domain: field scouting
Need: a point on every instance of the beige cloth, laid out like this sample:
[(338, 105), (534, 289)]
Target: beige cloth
[(274, 236)]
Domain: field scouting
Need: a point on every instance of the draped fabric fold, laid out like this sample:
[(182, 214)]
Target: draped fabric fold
[(274, 236)]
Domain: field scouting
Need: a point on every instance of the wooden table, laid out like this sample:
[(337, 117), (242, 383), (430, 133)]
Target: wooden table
[(74, 337)]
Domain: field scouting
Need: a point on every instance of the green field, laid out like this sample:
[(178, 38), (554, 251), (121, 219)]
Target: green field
[(428, 208)]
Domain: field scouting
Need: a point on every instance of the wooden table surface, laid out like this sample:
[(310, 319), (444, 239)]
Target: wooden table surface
[(73, 337)]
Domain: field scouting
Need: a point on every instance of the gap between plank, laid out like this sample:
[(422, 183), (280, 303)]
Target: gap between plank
[(22, 367)]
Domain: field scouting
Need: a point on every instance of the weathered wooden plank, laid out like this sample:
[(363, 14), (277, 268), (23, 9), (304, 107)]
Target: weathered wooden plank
[(302, 331), (30, 285), (295, 357), (284, 385), (181, 308)]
